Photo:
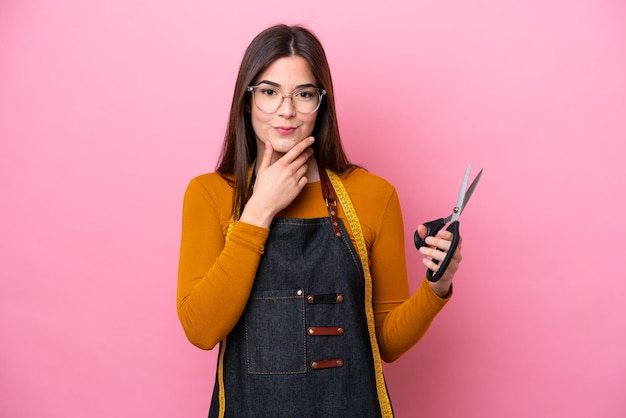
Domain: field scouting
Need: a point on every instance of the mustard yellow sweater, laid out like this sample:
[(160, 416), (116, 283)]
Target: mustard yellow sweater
[(215, 276)]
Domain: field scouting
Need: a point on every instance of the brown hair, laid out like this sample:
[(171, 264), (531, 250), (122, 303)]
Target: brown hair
[(239, 147)]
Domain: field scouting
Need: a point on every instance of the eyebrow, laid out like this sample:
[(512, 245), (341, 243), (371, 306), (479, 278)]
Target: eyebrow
[(271, 83)]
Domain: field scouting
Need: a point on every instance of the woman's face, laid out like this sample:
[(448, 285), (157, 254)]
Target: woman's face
[(285, 127)]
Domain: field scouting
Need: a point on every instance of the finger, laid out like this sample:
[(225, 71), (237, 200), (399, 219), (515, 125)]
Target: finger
[(449, 273), (298, 149), (433, 259), (438, 242), (301, 171), (437, 254), (267, 156), (445, 234), (430, 264), (302, 159), (433, 253), (422, 231)]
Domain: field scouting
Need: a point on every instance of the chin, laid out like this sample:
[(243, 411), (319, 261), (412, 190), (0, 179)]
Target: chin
[(283, 145)]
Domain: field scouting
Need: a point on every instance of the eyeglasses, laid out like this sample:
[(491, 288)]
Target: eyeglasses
[(268, 99)]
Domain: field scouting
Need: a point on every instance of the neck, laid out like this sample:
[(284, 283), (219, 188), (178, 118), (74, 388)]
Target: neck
[(312, 173)]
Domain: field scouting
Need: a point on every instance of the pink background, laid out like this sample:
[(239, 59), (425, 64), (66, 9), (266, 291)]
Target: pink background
[(107, 109)]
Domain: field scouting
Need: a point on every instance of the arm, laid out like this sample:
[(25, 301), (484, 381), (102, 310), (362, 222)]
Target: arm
[(401, 321), (214, 277)]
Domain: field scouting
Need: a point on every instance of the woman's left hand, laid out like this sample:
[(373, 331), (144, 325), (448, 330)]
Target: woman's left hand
[(437, 249)]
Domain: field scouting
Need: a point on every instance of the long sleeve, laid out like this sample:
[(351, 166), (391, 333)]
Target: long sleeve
[(401, 319), (215, 277)]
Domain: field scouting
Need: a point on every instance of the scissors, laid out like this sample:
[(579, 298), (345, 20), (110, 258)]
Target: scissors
[(435, 226)]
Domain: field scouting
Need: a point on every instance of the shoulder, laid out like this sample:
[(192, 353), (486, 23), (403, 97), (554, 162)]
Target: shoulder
[(375, 201), (363, 184), (210, 186), (212, 179)]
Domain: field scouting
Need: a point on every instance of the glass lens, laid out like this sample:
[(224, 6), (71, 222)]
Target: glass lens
[(305, 99), (267, 98)]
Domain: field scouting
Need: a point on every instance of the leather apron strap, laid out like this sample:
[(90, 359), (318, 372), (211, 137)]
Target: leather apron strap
[(330, 197)]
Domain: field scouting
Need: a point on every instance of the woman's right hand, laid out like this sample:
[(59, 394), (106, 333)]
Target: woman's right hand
[(277, 184)]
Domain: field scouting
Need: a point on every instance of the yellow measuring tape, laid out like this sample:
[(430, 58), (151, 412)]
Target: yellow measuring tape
[(355, 226)]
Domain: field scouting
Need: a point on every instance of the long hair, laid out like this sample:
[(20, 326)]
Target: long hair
[(239, 147)]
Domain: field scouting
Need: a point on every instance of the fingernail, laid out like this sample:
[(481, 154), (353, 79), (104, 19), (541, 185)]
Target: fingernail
[(429, 240), (311, 139)]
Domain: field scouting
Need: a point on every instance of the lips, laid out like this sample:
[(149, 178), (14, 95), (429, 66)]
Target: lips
[(284, 130)]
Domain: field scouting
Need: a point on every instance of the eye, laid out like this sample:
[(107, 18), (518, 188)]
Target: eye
[(305, 94), (267, 91)]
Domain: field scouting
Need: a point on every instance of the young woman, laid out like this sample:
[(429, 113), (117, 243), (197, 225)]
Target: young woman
[(292, 258)]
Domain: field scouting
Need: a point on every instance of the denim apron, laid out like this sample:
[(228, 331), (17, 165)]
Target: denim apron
[(301, 347)]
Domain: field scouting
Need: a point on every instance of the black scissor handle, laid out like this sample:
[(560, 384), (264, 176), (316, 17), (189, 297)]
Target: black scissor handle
[(432, 228)]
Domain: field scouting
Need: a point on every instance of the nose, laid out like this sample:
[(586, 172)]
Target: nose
[(286, 108)]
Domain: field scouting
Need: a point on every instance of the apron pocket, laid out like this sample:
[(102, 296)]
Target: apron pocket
[(275, 332)]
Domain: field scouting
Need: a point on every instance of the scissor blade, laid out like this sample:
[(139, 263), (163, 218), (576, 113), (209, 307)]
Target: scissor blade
[(470, 190), (461, 198)]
